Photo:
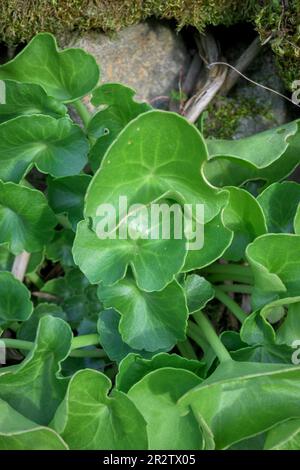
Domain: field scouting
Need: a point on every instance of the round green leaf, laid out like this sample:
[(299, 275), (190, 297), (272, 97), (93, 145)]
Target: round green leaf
[(26, 221), (66, 75), (148, 319), (90, 419), (55, 146), (15, 304)]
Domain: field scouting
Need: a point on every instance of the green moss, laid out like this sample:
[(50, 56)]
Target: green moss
[(224, 114), (20, 20)]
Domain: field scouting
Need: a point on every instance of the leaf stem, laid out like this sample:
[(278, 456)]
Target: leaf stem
[(82, 111), (240, 269), (186, 349), (229, 277), (212, 337), (230, 304), (77, 342), (238, 288)]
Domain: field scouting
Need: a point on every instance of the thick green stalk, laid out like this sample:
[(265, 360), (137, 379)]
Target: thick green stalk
[(229, 268), (186, 349), (238, 288), (229, 277), (212, 337), (230, 304), (83, 112)]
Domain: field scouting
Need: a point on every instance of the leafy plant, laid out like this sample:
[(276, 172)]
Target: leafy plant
[(141, 342)]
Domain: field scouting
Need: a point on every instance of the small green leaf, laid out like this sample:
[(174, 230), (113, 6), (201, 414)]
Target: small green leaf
[(26, 221), (55, 146), (25, 98), (34, 388), (66, 75), (156, 396), (60, 248), (66, 195), (280, 202), (28, 329), (15, 304), (198, 292), (134, 367), (148, 319), (107, 123), (244, 216), (90, 419)]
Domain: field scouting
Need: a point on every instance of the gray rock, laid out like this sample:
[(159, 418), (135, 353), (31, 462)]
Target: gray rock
[(148, 56)]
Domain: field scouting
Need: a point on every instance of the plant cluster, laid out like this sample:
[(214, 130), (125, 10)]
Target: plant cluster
[(111, 343)]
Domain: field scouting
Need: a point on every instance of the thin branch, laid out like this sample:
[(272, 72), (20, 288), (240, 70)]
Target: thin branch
[(20, 265)]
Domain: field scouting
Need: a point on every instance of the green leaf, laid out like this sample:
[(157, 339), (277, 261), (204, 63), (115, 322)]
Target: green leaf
[(133, 368), (107, 260), (156, 396), (28, 329), (34, 387), (268, 156), (107, 123), (26, 221), (280, 202), (25, 98), (148, 319), (111, 339), (158, 154), (66, 75), (217, 238), (264, 353), (7, 260), (19, 433), (66, 195), (274, 276), (241, 399), (245, 218), (91, 419), (198, 292), (15, 304), (284, 436), (55, 146)]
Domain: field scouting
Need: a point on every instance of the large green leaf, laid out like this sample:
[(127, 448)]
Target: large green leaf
[(134, 367), (244, 216), (19, 433), (269, 156), (66, 75), (148, 319), (107, 123), (55, 146), (66, 195), (241, 399), (25, 98), (156, 396), (157, 154), (15, 304), (34, 387), (26, 221), (284, 436), (90, 418), (280, 202), (274, 259), (106, 260)]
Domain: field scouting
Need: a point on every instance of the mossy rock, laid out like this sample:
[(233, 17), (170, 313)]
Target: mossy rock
[(21, 20)]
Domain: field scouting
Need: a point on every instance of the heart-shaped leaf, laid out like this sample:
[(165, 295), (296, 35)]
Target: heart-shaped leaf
[(66, 195), (148, 320), (280, 203), (55, 146), (134, 367), (66, 75), (34, 388), (90, 418), (26, 221), (107, 123), (15, 304), (244, 217), (169, 428)]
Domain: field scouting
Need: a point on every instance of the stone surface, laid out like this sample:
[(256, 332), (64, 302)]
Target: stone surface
[(148, 56)]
